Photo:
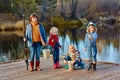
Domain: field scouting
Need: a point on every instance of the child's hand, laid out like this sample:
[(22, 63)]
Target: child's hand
[(52, 40), (46, 44), (89, 36), (60, 46), (67, 54), (43, 43), (85, 49), (24, 39)]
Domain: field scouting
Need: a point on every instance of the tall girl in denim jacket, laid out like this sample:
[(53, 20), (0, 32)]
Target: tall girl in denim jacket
[(90, 45), (54, 42), (36, 37)]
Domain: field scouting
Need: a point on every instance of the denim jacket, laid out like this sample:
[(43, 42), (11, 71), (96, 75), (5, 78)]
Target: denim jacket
[(90, 43), (28, 34)]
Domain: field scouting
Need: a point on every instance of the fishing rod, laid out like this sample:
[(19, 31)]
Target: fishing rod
[(25, 41), (25, 47)]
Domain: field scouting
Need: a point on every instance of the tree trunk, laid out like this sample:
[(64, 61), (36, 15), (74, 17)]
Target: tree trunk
[(62, 9), (73, 8)]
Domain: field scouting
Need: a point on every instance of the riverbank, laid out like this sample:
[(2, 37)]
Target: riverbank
[(17, 71)]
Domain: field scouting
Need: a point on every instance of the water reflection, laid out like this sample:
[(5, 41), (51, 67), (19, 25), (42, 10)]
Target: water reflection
[(107, 52), (108, 44), (11, 45)]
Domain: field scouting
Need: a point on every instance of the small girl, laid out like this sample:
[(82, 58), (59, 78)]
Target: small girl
[(54, 42), (90, 45), (74, 55)]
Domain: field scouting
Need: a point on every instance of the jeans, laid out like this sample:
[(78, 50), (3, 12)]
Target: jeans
[(92, 54), (35, 50), (67, 58), (79, 63), (56, 54)]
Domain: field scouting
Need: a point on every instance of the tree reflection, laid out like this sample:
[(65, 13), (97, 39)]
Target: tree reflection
[(108, 43), (74, 33), (11, 45)]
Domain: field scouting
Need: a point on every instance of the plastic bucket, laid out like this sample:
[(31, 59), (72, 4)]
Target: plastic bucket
[(46, 53), (70, 65)]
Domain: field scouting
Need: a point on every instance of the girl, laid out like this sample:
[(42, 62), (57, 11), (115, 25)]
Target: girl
[(90, 45), (74, 55), (54, 42), (36, 37)]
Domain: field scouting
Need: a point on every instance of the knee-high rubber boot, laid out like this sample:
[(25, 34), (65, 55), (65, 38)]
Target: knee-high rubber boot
[(90, 66), (31, 66), (94, 66), (38, 66)]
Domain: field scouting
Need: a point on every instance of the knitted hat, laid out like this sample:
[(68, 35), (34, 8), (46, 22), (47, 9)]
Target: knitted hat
[(91, 23)]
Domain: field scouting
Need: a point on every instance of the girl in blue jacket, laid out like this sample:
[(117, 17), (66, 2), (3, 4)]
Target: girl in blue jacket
[(90, 45), (36, 37)]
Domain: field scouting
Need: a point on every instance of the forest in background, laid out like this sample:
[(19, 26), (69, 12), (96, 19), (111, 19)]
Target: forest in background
[(58, 12), (68, 9)]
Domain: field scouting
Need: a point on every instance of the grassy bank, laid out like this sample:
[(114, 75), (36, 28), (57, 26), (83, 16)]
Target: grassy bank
[(9, 26), (57, 21)]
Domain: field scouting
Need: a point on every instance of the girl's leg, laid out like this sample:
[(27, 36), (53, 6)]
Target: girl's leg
[(94, 58), (32, 53), (78, 63), (81, 64), (55, 56), (55, 59), (90, 60), (38, 49), (58, 64), (94, 53)]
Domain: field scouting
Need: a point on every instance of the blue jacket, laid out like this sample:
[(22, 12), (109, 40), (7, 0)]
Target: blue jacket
[(28, 34), (90, 43)]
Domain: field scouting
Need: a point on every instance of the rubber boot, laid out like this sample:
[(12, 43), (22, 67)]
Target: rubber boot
[(94, 66), (55, 65), (31, 66), (66, 66), (90, 66), (38, 66), (58, 65)]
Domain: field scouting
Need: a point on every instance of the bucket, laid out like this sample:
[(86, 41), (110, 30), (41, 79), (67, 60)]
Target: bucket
[(70, 65), (46, 53)]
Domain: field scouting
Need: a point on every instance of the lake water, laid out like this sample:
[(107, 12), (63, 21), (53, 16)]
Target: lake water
[(11, 45)]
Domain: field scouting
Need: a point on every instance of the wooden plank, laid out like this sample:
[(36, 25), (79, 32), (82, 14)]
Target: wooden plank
[(17, 71)]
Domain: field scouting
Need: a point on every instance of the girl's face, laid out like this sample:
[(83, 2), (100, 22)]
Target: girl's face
[(92, 29), (54, 32), (34, 20), (71, 49)]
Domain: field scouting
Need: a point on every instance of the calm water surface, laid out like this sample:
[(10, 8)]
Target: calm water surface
[(11, 45)]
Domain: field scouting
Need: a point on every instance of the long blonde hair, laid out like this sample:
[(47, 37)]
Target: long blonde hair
[(54, 29)]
